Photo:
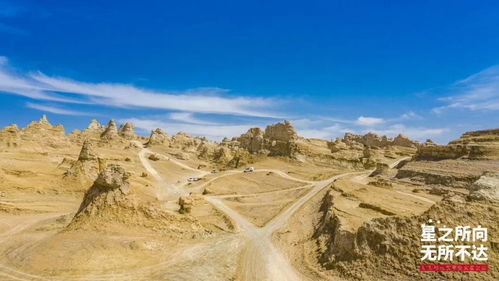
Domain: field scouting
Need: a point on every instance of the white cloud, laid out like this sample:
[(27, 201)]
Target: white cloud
[(203, 100), (479, 91), (368, 121), (56, 110), (188, 117), (410, 116)]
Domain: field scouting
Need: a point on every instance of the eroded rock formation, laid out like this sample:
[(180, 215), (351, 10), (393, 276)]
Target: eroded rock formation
[(110, 132), (486, 187), (371, 251), (10, 136), (277, 140), (373, 140), (158, 136), (109, 188), (36, 136), (126, 131), (85, 170), (475, 145)]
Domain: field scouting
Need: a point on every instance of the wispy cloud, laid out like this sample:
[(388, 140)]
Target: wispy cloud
[(57, 110), (188, 117), (410, 116), (479, 91), (202, 100)]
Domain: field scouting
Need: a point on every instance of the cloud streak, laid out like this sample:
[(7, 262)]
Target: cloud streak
[(479, 91), (201, 100), (189, 118), (368, 121)]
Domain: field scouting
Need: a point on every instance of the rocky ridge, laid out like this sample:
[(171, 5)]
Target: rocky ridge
[(379, 245), (277, 140), (36, 136), (458, 164), (474, 145)]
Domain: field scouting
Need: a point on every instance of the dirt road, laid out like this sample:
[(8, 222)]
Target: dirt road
[(260, 259)]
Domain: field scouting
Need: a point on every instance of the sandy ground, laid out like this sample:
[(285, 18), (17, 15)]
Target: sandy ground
[(243, 209)]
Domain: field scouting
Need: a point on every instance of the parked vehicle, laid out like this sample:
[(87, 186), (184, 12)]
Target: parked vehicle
[(193, 179), (249, 170)]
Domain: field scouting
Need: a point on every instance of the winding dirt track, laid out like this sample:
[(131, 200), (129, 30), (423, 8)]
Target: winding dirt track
[(260, 259)]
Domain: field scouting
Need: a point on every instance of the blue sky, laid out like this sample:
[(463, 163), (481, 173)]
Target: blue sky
[(215, 68)]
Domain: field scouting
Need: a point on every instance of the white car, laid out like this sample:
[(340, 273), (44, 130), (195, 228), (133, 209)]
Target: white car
[(193, 179), (249, 170)]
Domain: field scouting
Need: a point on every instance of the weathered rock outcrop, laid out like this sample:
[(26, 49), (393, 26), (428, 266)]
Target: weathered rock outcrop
[(93, 131), (111, 204), (206, 150), (182, 156), (87, 152), (109, 188), (381, 169), (110, 132), (475, 145), (402, 140), (86, 169), (454, 173), (373, 140), (223, 155), (428, 142), (185, 142), (157, 137), (187, 202), (281, 139), (10, 136), (372, 251), (252, 140), (486, 187), (95, 126), (36, 136), (338, 145), (126, 131), (434, 152), (277, 140)]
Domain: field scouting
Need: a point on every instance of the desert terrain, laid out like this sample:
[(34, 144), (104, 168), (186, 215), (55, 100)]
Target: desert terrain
[(104, 203)]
